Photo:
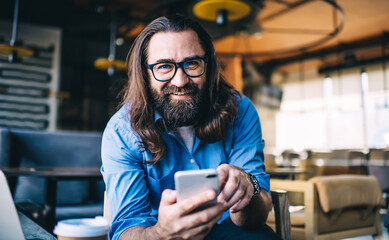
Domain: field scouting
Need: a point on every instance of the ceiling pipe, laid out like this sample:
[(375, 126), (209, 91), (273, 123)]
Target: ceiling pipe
[(342, 48)]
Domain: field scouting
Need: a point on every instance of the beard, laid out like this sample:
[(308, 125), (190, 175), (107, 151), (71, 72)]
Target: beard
[(179, 113)]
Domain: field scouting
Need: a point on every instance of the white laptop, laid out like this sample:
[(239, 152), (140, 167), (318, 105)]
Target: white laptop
[(10, 227)]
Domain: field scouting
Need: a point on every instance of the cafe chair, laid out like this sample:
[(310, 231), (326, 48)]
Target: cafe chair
[(281, 215), (291, 158), (334, 207), (358, 161), (37, 149)]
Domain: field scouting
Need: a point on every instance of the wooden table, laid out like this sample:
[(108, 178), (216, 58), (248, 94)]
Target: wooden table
[(52, 175), (287, 172)]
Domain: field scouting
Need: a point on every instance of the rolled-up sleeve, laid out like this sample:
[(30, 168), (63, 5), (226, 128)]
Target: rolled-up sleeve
[(126, 187), (247, 145)]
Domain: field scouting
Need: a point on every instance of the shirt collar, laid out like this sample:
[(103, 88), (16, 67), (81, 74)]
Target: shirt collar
[(157, 116), (159, 121)]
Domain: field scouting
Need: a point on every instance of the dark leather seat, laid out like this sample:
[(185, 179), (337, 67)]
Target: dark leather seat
[(30, 148)]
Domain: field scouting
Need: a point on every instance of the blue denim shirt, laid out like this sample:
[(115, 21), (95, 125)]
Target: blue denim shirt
[(134, 188)]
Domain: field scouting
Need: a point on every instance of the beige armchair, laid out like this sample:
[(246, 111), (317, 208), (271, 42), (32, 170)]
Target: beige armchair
[(335, 207)]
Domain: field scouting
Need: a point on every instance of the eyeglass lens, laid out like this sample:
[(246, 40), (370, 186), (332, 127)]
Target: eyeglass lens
[(166, 71)]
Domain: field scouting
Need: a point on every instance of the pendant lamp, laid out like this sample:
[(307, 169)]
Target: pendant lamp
[(111, 64), (13, 50)]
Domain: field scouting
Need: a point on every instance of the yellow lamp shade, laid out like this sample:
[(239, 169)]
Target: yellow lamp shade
[(208, 9), (105, 64), (21, 52)]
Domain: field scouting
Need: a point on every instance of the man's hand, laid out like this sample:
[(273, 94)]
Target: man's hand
[(237, 188), (176, 220), (236, 195)]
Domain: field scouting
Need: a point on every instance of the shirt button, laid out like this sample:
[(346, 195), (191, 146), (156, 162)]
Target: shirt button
[(192, 161)]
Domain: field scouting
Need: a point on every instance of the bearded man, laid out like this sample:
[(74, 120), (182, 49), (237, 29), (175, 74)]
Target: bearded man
[(178, 113)]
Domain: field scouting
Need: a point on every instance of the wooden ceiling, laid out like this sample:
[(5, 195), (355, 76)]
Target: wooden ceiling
[(294, 29), (363, 19)]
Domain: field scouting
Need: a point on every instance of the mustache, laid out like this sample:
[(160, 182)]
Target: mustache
[(187, 89)]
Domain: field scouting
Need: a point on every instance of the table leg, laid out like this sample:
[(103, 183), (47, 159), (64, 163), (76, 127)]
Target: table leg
[(50, 202)]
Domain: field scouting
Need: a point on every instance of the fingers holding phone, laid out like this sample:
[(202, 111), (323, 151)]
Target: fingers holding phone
[(236, 187), (200, 220), (191, 210)]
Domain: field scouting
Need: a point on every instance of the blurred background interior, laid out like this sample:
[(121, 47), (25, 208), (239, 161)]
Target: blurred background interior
[(316, 71)]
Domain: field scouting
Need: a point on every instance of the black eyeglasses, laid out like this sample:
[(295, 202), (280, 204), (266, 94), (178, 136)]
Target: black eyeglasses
[(165, 71)]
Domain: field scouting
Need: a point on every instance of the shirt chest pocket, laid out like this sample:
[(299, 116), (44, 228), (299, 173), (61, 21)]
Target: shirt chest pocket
[(156, 186)]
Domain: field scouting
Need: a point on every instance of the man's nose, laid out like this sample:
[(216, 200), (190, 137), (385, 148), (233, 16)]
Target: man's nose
[(180, 79)]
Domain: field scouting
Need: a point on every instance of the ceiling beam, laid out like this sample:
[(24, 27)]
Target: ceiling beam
[(360, 63), (362, 44)]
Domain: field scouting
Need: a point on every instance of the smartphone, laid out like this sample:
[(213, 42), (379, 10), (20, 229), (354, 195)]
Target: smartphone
[(191, 182)]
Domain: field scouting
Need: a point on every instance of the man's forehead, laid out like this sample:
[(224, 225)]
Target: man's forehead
[(174, 45)]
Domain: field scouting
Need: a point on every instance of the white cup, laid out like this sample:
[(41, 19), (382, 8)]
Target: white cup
[(82, 228)]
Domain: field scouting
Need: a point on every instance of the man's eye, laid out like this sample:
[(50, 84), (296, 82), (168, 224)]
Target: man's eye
[(192, 64), (164, 67)]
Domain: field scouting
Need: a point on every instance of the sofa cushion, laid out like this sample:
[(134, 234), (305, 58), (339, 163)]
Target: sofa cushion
[(337, 192), (348, 218), (68, 192)]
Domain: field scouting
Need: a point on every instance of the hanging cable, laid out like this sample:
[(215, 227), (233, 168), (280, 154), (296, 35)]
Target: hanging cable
[(12, 50), (111, 64)]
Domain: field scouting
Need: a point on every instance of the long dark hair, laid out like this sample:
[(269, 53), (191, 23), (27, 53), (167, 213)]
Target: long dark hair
[(220, 97)]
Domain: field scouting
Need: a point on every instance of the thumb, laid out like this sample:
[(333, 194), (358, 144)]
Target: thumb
[(168, 197), (222, 171)]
